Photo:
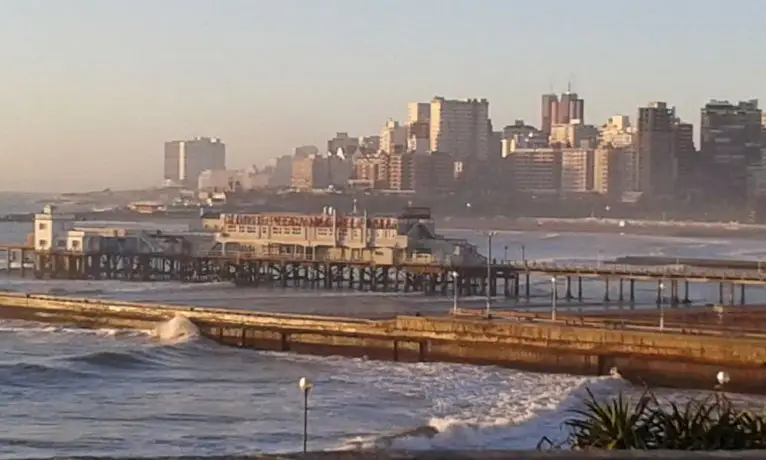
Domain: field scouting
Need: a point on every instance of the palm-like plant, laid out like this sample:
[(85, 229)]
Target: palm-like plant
[(708, 424), (617, 424)]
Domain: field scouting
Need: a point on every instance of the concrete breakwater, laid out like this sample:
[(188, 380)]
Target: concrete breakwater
[(650, 357)]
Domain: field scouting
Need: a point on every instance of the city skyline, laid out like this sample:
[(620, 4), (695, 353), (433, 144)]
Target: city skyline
[(89, 99)]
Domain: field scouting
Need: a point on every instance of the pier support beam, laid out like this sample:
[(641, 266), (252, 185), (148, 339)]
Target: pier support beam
[(687, 301), (606, 289), (621, 293), (659, 293), (741, 294), (569, 288), (632, 291), (720, 293), (579, 288), (526, 286), (674, 293)]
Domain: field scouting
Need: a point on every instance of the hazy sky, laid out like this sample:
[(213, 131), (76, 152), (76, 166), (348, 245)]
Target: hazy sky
[(91, 88)]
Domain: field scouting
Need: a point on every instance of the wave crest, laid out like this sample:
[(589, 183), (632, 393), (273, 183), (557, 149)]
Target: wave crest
[(178, 329)]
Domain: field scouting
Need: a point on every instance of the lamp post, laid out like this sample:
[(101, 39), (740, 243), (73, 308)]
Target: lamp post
[(305, 385), (660, 288), (553, 298), (505, 254), (722, 377), (455, 287), (524, 254), (490, 235)]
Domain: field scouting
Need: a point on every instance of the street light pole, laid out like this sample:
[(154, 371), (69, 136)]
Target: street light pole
[(524, 254), (662, 306), (505, 254), (455, 287), (305, 385), (553, 298), (490, 235)]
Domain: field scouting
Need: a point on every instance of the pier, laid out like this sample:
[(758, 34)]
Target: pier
[(512, 279), (329, 250), (687, 358)]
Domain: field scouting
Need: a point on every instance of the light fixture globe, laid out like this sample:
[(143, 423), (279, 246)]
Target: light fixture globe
[(722, 377), (305, 384)]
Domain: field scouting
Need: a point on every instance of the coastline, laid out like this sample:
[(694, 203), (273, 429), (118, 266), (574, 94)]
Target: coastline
[(597, 226)]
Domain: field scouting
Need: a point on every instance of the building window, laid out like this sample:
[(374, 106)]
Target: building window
[(42, 226), (42, 243)]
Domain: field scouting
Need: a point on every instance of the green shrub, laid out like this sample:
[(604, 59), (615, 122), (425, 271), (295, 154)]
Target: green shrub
[(710, 423)]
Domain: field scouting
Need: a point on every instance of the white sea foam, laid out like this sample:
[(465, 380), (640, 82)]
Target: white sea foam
[(487, 417), (34, 328), (178, 329)]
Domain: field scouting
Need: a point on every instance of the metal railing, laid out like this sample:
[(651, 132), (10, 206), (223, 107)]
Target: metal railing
[(669, 271)]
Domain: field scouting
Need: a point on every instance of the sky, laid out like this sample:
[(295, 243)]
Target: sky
[(90, 89)]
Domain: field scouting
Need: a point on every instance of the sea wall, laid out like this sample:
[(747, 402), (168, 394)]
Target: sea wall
[(651, 357)]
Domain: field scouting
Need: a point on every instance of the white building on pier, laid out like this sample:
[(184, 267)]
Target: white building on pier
[(61, 232), (408, 237)]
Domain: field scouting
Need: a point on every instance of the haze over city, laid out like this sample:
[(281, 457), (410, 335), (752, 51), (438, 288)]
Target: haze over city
[(92, 89)]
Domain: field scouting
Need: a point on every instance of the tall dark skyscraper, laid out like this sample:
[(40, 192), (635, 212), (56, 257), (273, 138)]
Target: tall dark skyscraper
[(730, 143), (565, 108), (654, 150), (577, 110), (549, 112), (687, 159)]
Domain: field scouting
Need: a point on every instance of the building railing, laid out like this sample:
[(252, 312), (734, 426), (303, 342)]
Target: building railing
[(308, 257)]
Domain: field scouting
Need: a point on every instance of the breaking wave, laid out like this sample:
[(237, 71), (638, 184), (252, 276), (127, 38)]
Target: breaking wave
[(519, 425)]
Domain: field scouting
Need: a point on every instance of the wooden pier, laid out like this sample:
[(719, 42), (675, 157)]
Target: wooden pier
[(512, 279)]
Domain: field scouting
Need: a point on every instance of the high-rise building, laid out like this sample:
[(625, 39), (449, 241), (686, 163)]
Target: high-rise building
[(418, 137), (418, 112), (688, 161), (577, 167), (615, 170), (185, 160), (373, 169), (460, 128), (319, 171), (617, 132), (570, 107), (548, 112), (730, 143), (393, 137), (369, 144), (305, 150), (616, 164), (342, 141), (654, 150), (574, 135)]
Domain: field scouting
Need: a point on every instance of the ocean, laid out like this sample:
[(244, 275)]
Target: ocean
[(68, 391)]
